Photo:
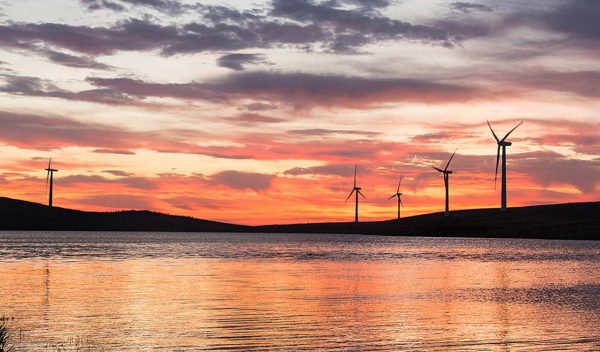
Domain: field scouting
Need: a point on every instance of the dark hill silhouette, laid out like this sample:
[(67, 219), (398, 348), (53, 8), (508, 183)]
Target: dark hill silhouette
[(557, 221), (579, 221), (23, 215)]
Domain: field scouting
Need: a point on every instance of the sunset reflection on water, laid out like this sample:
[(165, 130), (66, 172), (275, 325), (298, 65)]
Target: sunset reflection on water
[(301, 293)]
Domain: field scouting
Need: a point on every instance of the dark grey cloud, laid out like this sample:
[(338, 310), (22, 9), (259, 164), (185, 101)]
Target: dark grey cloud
[(114, 151), (102, 4), (238, 62), (37, 87), (300, 90), (467, 7), (251, 119), (576, 17), (242, 180), (258, 107), (351, 28), (74, 61), (168, 6), (339, 26), (118, 173)]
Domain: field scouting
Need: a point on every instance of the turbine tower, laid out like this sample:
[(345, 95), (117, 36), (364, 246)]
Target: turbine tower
[(446, 173), (502, 144), (356, 191), (398, 194), (50, 177)]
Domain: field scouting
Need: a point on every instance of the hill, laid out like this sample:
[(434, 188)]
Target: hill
[(558, 221), (23, 215)]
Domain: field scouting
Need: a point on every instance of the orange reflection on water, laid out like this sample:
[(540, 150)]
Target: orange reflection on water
[(196, 303)]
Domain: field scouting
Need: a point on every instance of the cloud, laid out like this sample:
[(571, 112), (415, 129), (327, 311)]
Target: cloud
[(75, 61), (575, 17), (583, 83), (102, 4), (132, 182), (239, 61), (252, 119), (118, 173), (34, 86), (434, 137), (338, 26), (242, 180), (113, 151), (349, 28), (300, 89), (117, 201), (322, 132), (342, 170), (468, 7), (582, 174)]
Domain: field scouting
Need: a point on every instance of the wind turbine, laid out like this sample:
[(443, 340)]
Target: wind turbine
[(356, 191), (50, 177), (446, 173), (398, 194), (502, 143)]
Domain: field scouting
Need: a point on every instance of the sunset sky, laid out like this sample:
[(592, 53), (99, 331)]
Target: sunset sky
[(256, 112)]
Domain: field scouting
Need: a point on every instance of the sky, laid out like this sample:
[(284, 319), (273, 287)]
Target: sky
[(257, 112)]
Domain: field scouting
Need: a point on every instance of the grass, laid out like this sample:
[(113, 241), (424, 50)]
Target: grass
[(7, 341), (6, 338)]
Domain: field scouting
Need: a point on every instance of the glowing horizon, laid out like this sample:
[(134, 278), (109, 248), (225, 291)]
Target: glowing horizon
[(257, 114)]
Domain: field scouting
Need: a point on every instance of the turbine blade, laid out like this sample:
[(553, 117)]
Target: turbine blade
[(446, 168), (440, 170), (392, 196), (355, 166), (350, 195), (497, 162), (359, 192), (49, 162), (495, 137), (398, 190), (47, 179), (402, 204), (511, 131)]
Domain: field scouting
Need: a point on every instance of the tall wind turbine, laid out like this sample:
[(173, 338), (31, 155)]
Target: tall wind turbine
[(50, 177), (502, 144), (398, 194), (356, 191), (446, 173)]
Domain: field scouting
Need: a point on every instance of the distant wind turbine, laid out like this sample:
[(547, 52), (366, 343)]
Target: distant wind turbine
[(356, 191), (446, 173), (502, 143), (398, 194), (50, 177)]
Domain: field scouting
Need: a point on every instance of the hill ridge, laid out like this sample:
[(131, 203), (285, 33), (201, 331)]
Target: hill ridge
[(552, 221)]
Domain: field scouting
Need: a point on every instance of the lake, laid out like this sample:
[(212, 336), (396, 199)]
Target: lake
[(280, 292)]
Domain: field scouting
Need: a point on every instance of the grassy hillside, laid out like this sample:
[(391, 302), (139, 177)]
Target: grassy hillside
[(22, 215), (558, 221)]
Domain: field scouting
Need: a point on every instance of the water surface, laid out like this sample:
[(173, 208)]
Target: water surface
[(269, 292)]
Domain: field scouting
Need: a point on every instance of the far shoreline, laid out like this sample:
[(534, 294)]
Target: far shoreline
[(568, 221)]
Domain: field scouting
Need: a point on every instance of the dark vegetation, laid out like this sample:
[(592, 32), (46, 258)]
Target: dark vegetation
[(6, 338), (559, 221)]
